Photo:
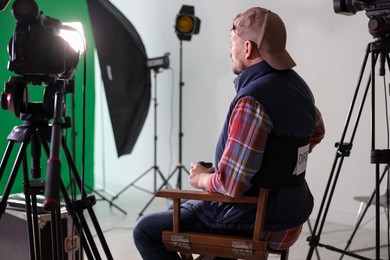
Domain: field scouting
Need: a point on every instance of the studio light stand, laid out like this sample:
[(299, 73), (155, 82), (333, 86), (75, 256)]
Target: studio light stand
[(187, 24), (379, 51), (180, 166), (154, 64), (37, 131)]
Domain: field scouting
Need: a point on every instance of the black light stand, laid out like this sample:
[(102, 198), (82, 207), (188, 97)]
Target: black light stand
[(155, 168), (378, 49), (180, 166), (37, 131), (187, 24)]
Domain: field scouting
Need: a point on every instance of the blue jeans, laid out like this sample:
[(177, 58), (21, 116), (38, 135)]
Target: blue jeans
[(147, 233)]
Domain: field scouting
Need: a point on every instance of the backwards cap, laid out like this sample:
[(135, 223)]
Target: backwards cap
[(267, 30)]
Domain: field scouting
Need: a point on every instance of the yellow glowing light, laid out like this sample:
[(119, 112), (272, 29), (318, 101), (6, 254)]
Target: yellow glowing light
[(185, 24)]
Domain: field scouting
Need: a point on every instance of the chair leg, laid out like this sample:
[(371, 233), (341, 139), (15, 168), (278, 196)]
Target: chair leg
[(284, 255)]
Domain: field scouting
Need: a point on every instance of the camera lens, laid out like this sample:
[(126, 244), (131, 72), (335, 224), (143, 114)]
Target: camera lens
[(25, 11)]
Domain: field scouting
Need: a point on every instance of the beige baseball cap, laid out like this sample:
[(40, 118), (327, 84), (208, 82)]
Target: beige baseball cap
[(267, 30)]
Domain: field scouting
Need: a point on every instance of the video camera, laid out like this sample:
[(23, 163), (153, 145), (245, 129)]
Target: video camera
[(378, 11), (39, 55)]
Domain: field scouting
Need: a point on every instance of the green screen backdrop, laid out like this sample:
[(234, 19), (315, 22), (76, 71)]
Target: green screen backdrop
[(66, 11)]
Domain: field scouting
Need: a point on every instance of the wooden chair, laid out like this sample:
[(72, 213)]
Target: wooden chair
[(188, 243), (278, 166)]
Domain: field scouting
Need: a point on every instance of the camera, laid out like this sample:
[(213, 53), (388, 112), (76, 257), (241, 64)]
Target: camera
[(40, 56), (378, 11), (36, 48), (350, 7)]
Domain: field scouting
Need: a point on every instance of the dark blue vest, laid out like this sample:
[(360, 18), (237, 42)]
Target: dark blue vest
[(284, 94), (290, 104)]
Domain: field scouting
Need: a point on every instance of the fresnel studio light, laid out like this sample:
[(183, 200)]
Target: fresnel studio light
[(187, 23)]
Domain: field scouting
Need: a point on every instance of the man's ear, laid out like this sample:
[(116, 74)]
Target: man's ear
[(250, 47)]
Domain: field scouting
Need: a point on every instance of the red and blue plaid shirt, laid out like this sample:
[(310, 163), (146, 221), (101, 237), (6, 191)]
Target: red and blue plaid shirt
[(245, 146), (244, 149)]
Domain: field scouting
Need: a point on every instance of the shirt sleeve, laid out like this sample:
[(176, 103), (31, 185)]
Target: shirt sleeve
[(248, 130)]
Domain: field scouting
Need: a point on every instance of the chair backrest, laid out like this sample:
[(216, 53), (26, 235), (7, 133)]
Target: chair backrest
[(284, 163)]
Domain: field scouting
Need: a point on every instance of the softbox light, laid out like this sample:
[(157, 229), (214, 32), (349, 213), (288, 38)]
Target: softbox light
[(126, 78)]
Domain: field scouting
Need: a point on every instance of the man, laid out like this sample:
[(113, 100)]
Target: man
[(271, 100)]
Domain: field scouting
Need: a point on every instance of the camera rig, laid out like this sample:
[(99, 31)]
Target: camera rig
[(377, 52), (41, 57), (378, 12)]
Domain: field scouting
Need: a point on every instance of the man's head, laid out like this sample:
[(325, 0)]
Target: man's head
[(264, 33)]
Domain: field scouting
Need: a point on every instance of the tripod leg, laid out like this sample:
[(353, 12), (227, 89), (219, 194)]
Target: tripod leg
[(325, 204), (360, 219), (74, 211), (11, 179), (90, 210), (31, 212), (311, 232), (132, 183), (105, 199), (180, 167), (56, 230), (77, 214), (165, 183), (5, 158), (32, 217), (163, 178), (342, 152), (54, 238), (156, 170)]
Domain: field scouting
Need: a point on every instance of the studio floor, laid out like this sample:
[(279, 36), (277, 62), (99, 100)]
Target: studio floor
[(117, 228)]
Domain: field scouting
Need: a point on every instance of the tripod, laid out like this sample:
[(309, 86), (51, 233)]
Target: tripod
[(180, 167), (378, 49), (385, 198), (156, 170), (37, 131)]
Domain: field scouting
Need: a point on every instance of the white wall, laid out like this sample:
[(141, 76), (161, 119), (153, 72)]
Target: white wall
[(328, 49)]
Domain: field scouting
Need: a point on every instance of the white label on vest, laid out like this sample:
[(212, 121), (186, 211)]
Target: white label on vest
[(303, 153)]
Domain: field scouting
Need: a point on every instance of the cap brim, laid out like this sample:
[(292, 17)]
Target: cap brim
[(280, 60)]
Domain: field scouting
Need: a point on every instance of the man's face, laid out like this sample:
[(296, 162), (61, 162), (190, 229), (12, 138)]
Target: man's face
[(237, 52)]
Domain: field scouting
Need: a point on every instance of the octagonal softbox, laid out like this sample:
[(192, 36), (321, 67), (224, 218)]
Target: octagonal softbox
[(126, 78)]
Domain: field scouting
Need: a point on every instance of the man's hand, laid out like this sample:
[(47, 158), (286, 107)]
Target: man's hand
[(199, 175)]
